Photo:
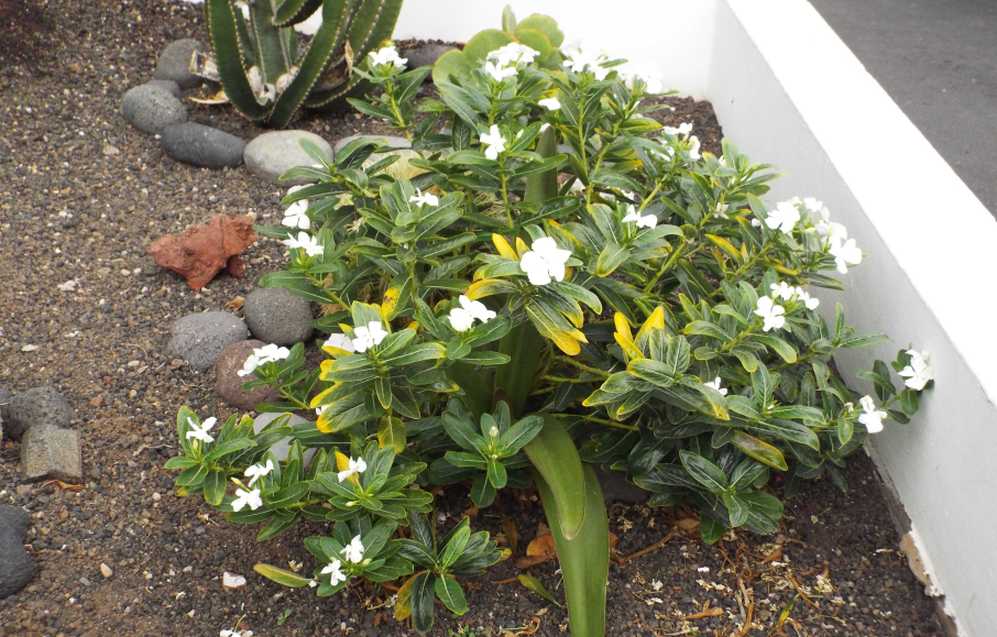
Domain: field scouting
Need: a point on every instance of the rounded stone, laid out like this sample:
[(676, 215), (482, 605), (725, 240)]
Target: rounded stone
[(273, 153), (171, 86), (277, 315), (200, 338), (48, 451), (228, 383), (424, 54), (174, 63), (16, 566), (37, 406), (152, 108), (200, 145)]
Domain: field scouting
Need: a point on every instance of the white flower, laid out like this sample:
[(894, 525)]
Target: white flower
[(513, 53), (544, 262), (811, 302), (354, 550), (261, 356), (919, 372), (200, 432), (334, 570), (463, 317), (642, 221), (871, 417), (227, 632), (784, 217), (652, 83), (497, 72), (550, 103), (579, 61), (772, 314), (257, 471), (493, 141), (814, 205), (339, 341), (306, 242), (694, 153), (845, 253), (367, 336), (782, 290), (387, 55), (424, 198), (296, 215), (682, 129), (715, 384), (354, 467), (244, 498)]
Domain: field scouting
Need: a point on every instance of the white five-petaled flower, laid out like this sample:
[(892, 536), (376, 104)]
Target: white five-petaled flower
[(424, 198), (550, 103), (334, 570), (919, 371), (463, 317), (513, 53), (354, 550), (387, 55), (845, 252), (811, 302), (871, 417), (785, 217), (773, 315), (367, 336), (354, 467), (578, 61), (493, 141), (245, 498), (306, 242), (642, 221), (200, 432), (339, 341), (257, 471), (782, 290), (498, 72), (296, 215), (715, 384), (231, 632), (261, 356), (544, 262), (682, 129), (652, 83), (694, 153)]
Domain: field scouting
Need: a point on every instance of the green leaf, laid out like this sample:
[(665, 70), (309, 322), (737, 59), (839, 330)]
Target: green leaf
[(521, 433), (456, 545), (214, 488), (613, 255), (555, 457), (451, 594), (536, 586), (704, 472), (422, 602), (281, 576), (497, 474), (760, 450)]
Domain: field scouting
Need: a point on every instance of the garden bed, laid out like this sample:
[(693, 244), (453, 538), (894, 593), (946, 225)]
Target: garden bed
[(83, 194)]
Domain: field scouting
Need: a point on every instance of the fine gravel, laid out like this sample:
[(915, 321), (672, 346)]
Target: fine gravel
[(82, 193)]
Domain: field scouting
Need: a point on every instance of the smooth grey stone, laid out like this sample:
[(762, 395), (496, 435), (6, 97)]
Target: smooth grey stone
[(152, 108), (273, 153), (200, 338), (424, 54), (201, 145), (48, 451), (37, 406), (169, 85), (174, 63), (392, 141), (228, 383), (616, 488), (17, 568), (277, 315), (282, 447)]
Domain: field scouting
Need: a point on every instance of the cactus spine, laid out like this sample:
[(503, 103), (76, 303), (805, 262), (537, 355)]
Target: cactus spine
[(264, 75)]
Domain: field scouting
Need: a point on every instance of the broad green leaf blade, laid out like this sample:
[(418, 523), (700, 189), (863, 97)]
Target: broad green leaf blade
[(555, 457), (281, 576)]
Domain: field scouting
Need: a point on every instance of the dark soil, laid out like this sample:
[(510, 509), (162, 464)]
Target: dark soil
[(81, 196)]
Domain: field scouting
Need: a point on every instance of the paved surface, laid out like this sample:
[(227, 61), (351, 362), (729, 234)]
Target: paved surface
[(938, 60)]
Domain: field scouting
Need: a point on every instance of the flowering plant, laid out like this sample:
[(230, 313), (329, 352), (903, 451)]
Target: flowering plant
[(566, 283)]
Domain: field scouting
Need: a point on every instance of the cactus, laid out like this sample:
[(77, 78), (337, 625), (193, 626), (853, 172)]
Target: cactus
[(256, 57)]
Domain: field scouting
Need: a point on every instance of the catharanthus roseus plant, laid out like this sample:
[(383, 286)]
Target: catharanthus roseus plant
[(565, 283)]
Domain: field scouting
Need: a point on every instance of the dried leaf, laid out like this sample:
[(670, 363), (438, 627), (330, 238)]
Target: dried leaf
[(511, 532), (212, 100)]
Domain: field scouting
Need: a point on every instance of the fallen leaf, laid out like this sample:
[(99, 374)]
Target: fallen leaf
[(235, 303), (688, 524), (202, 251), (533, 584), (212, 100), (511, 533)]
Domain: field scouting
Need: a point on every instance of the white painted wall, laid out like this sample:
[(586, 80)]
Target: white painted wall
[(788, 92)]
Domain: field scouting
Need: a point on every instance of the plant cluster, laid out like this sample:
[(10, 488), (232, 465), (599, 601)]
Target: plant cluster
[(267, 74), (565, 283)]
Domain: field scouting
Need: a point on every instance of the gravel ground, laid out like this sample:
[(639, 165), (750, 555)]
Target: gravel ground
[(81, 196)]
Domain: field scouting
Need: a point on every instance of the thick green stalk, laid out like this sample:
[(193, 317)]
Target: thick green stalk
[(584, 559), (269, 51), (514, 381), (541, 187), (224, 29), (556, 460)]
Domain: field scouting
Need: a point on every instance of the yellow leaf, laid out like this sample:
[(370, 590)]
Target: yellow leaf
[(568, 342), (624, 337), (325, 368), (656, 321), (521, 247), (321, 396), (503, 247), (342, 461), (389, 303), (785, 270), (486, 287), (724, 245), (403, 603), (324, 424)]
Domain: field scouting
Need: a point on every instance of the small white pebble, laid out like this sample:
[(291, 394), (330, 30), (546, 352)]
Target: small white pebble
[(105, 570), (233, 580)]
